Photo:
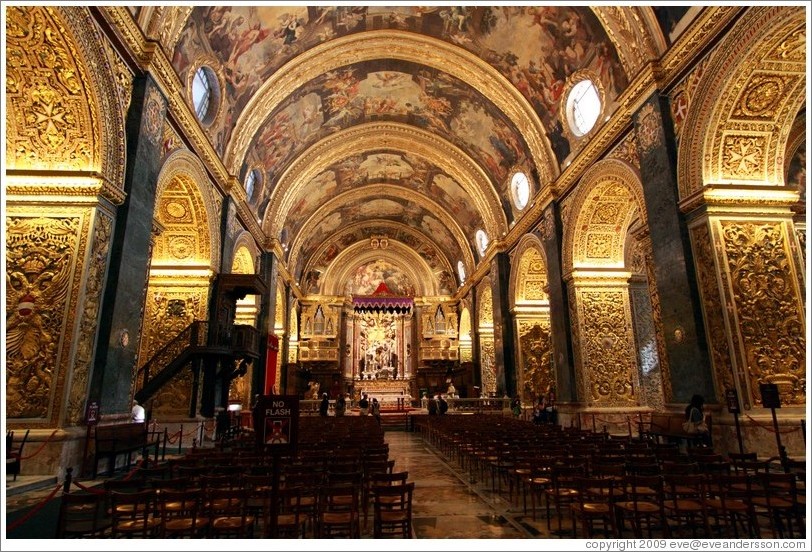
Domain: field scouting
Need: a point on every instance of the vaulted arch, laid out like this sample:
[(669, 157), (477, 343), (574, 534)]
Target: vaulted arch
[(608, 201), (745, 103)]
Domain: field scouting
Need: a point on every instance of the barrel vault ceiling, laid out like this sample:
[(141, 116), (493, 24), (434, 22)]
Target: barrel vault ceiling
[(396, 128)]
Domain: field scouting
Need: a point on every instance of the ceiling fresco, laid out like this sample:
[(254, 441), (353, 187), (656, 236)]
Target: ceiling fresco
[(395, 168), (536, 48), (430, 191), (374, 215), (326, 252), (370, 91)]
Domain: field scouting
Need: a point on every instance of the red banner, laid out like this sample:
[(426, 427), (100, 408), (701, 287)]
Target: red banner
[(270, 363)]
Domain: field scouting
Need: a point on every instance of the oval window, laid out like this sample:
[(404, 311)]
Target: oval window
[(520, 190), (205, 94), (481, 242), (251, 183), (583, 107)]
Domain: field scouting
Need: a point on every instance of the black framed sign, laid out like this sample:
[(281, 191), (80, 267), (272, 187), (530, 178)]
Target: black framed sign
[(276, 419), (770, 397)]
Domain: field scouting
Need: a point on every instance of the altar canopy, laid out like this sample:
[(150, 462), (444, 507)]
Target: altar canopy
[(382, 300)]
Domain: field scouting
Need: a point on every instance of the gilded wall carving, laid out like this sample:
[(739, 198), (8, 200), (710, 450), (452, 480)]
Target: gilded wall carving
[(40, 256), (532, 277), (170, 309), (606, 205), (189, 207), (123, 78), (487, 351), (49, 116), (649, 124), (767, 302), (94, 285), (535, 356), (743, 157), (713, 311), (487, 361), (607, 355), (293, 333), (627, 151), (185, 238), (174, 398), (683, 94), (745, 103)]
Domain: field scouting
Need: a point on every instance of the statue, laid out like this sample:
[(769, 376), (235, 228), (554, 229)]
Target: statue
[(313, 390)]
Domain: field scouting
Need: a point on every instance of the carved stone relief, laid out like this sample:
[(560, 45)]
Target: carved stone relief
[(535, 356), (608, 364), (770, 315), (41, 254), (713, 311), (94, 285)]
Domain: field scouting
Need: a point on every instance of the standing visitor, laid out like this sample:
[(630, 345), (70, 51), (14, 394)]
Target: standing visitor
[(324, 407)]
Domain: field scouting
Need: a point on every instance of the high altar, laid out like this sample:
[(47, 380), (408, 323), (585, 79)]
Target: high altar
[(380, 349)]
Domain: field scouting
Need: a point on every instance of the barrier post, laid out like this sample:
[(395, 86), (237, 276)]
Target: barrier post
[(180, 439), (68, 480)]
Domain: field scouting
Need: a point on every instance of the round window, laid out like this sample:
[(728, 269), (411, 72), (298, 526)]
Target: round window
[(205, 94), (481, 242), (583, 107), (520, 190), (461, 271)]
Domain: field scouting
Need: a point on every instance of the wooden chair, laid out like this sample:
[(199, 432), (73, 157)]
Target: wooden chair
[(339, 511), (393, 510), (642, 505), (776, 500), (134, 514), (729, 506), (594, 506), (539, 481), (291, 517), (82, 515), (181, 513), (228, 511), (684, 503), (562, 493)]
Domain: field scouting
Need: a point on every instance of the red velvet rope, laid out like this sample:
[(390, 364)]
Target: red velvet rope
[(34, 511), (770, 428), (133, 471), (42, 446), (89, 489), (172, 439)]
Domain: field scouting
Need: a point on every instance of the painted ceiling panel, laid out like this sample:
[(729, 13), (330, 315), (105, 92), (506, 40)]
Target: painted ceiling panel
[(395, 168), (411, 94)]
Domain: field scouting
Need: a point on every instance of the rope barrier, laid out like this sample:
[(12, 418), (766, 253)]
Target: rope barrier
[(172, 439), (134, 470), (771, 429), (42, 446), (89, 489), (34, 511)]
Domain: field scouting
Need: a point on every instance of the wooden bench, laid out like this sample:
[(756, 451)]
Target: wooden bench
[(668, 426), (117, 439)]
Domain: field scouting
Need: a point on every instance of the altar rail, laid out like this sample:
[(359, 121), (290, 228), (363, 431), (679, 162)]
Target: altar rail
[(478, 405)]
